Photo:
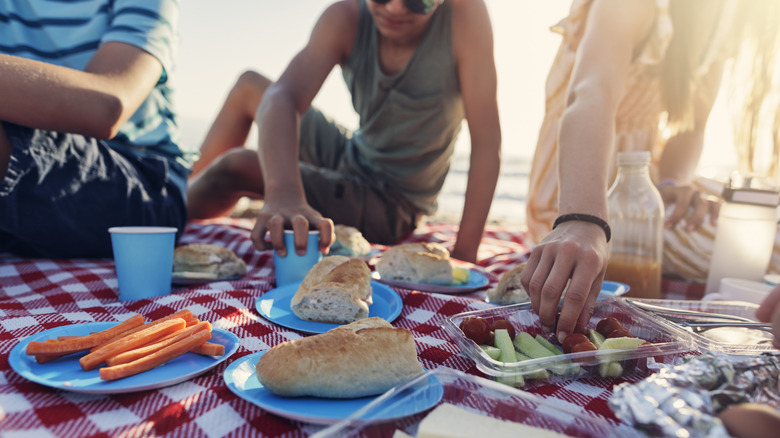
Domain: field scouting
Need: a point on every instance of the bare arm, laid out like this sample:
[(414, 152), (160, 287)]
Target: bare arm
[(94, 102), (680, 159), (577, 251), (278, 118), (473, 45)]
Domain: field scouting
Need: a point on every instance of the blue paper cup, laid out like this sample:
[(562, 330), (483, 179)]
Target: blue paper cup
[(292, 267), (144, 260)]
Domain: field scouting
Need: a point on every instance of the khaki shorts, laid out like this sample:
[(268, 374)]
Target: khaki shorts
[(345, 193)]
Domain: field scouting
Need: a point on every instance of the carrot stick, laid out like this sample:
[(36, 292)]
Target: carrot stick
[(43, 358), (80, 343), (209, 349), (155, 359), (97, 357), (137, 353), (184, 314)]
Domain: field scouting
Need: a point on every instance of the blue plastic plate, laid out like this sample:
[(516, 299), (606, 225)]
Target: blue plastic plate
[(274, 306), (477, 281), (66, 373), (612, 289), (241, 378)]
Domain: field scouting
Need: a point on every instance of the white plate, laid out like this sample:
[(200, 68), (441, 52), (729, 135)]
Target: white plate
[(274, 306), (66, 373), (181, 278), (240, 377), (477, 281)]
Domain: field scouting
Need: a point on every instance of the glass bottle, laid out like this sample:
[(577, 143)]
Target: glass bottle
[(636, 216)]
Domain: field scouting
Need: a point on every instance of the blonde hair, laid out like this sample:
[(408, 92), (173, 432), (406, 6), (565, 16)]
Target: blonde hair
[(752, 43)]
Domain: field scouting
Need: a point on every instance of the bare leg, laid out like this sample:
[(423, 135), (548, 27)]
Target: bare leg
[(5, 152), (215, 191), (234, 121)]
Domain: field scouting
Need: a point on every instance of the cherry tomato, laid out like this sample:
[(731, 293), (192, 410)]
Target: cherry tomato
[(504, 324), (581, 329), (583, 346), (620, 333), (572, 340), (607, 325), (476, 328)]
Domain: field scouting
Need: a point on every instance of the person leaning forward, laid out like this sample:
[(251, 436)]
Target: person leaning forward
[(415, 70)]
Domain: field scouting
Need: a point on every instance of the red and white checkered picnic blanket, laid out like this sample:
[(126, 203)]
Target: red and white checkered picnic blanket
[(36, 295)]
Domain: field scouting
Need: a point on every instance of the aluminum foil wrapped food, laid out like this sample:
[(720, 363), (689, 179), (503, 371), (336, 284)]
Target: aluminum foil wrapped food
[(684, 399)]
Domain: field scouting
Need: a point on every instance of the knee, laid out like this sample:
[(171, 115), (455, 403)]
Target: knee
[(234, 167), (251, 87)]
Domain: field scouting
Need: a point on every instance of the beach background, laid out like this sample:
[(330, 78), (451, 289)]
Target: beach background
[(220, 40)]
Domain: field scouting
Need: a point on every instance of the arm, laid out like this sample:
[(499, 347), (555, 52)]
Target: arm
[(473, 46), (577, 251), (94, 102), (681, 157), (278, 118)]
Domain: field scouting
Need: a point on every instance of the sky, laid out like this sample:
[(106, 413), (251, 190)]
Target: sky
[(218, 44)]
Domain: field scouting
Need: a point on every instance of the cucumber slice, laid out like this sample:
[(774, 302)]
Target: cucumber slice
[(548, 345), (504, 343), (621, 343), (491, 351), (530, 347)]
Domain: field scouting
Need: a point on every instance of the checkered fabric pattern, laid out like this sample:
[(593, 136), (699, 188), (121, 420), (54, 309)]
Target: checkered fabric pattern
[(36, 295)]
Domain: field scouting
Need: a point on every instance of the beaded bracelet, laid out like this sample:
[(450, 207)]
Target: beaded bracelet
[(585, 218)]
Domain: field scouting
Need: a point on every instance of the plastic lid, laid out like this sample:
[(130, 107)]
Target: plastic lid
[(751, 189), (634, 158)]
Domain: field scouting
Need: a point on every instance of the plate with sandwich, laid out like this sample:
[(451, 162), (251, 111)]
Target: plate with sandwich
[(427, 267), (337, 290), (356, 363), (203, 263), (509, 290), (351, 243)]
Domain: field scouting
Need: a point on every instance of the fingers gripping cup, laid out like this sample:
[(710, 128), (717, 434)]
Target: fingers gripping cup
[(293, 267), (144, 260)]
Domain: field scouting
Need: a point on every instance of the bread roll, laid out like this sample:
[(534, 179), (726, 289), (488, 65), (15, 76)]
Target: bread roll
[(363, 358), (337, 290), (207, 259), (349, 242), (416, 263), (509, 290)]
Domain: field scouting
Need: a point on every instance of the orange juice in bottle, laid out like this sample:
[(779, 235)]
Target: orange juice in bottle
[(636, 215)]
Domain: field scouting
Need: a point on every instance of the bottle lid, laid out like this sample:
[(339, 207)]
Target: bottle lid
[(750, 189), (633, 158)]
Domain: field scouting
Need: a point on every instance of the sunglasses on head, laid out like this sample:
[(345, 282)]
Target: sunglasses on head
[(421, 7)]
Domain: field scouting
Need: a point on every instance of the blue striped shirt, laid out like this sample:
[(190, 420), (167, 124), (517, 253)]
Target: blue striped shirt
[(68, 32)]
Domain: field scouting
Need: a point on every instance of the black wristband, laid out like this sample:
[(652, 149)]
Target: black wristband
[(585, 218)]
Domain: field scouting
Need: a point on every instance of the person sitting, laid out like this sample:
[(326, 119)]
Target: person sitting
[(415, 70), (630, 75), (88, 134)]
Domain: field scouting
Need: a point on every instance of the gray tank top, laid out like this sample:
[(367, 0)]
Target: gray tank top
[(408, 121)]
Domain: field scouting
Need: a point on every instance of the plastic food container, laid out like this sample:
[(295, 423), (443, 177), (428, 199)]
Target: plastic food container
[(666, 343), (730, 340), (475, 394)]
